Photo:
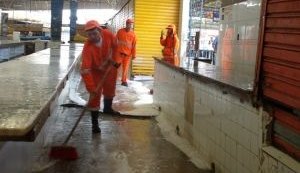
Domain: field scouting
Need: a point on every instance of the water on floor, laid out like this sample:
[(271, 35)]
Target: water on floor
[(126, 145)]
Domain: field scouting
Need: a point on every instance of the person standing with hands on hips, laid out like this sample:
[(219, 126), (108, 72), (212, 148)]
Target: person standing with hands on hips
[(126, 48), (171, 45)]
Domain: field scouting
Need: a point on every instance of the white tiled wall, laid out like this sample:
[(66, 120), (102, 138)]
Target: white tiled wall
[(243, 19), (229, 128), (225, 130)]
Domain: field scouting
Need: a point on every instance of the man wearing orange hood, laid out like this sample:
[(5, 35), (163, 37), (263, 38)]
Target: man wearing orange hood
[(171, 45), (126, 42), (96, 59)]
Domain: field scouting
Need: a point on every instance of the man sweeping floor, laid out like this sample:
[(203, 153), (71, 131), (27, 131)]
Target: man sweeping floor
[(97, 56)]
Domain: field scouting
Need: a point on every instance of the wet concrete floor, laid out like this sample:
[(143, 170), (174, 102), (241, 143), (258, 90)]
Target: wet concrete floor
[(126, 145)]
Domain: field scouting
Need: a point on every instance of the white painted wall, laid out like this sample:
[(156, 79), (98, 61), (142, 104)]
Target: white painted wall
[(239, 19)]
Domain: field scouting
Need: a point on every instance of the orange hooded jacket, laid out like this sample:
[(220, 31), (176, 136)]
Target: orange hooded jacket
[(171, 46)]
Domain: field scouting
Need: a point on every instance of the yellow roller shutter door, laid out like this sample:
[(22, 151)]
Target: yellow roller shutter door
[(151, 16)]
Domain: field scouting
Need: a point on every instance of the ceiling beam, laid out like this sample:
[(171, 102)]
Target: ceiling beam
[(45, 4)]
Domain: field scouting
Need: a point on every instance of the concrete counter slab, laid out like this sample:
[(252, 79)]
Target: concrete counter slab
[(28, 86), (222, 76)]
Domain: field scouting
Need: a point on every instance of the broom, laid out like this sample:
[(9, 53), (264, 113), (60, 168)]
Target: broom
[(64, 151)]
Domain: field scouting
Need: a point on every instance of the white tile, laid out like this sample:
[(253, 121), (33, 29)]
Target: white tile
[(228, 144), (242, 169), (233, 130), (250, 30), (241, 117), (233, 165), (220, 152), (250, 55), (223, 139), (218, 122), (284, 169), (260, 140), (218, 168), (265, 162), (204, 143), (272, 165), (254, 162), (218, 138), (245, 137), (212, 150), (233, 149), (209, 131), (235, 12), (238, 129), (240, 136), (248, 116), (235, 113), (254, 144), (256, 123), (226, 171), (243, 12), (260, 119), (223, 125), (240, 151), (246, 158), (214, 134), (238, 53), (227, 161)]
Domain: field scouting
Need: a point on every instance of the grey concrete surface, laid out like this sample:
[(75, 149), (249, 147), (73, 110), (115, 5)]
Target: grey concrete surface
[(126, 145)]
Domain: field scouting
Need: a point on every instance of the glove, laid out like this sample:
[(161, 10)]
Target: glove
[(114, 63), (162, 33)]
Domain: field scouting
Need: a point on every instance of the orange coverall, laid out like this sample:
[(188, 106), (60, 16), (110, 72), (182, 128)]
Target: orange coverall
[(171, 46), (126, 42), (93, 58)]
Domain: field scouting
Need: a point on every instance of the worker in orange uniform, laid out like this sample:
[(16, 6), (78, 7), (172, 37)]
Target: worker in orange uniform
[(126, 42), (171, 45), (96, 59)]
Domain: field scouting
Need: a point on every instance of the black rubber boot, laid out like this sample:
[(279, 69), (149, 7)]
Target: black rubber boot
[(95, 123), (108, 107), (124, 84)]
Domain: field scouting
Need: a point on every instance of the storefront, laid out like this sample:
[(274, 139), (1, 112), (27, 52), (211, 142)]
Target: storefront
[(204, 22)]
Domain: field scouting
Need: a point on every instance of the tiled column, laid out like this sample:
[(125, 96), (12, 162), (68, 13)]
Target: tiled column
[(73, 18), (56, 19)]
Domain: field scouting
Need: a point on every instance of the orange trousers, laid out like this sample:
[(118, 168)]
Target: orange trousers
[(108, 89), (125, 61)]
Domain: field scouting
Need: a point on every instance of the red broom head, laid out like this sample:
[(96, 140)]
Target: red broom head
[(63, 153)]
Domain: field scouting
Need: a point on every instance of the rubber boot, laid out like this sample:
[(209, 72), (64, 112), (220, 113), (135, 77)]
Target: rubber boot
[(95, 123), (124, 84), (108, 107)]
